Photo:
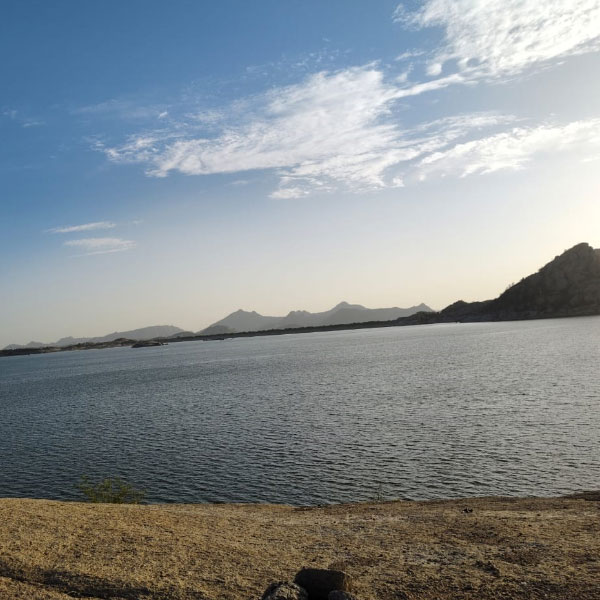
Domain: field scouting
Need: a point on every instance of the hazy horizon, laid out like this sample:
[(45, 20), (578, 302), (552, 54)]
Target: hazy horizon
[(196, 330), (171, 165)]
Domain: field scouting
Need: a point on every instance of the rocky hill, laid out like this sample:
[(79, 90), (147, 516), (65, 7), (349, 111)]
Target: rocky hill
[(30, 346), (568, 286), (144, 333)]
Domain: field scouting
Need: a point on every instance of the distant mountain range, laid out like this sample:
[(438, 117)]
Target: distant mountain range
[(343, 313), (567, 286), (242, 321), (145, 333)]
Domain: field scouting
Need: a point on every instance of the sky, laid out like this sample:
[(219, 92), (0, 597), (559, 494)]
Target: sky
[(169, 163)]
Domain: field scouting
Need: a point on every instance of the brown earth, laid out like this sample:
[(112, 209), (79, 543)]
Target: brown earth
[(499, 548)]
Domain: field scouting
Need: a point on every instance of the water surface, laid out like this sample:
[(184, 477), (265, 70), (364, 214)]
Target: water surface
[(410, 412)]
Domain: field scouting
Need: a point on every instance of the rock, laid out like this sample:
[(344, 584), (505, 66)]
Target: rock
[(488, 567), (320, 582), (339, 595), (282, 590), (147, 344)]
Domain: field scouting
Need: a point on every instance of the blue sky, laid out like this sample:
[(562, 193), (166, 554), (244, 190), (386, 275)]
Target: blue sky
[(170, 163)]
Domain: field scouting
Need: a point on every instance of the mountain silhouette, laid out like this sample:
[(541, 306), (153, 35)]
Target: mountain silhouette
[(342, 313), (144, 333), (568, 286)]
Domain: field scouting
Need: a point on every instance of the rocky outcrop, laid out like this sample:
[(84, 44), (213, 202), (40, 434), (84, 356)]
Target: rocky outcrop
[(319, 583), (282, 590), (340, 595), (312, 584)]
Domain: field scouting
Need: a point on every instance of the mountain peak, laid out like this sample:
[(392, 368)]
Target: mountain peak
[(294, 313), (345, 305), (342, 304)]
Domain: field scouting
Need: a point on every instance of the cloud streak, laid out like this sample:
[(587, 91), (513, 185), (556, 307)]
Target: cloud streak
[(83, 227), (511, 150), (18, 117), (104, 245), (122, 108)]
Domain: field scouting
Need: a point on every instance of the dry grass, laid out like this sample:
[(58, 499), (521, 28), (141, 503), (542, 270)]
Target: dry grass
[(524, 548)]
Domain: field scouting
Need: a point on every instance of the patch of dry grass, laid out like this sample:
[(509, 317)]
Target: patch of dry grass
[(524, 548)]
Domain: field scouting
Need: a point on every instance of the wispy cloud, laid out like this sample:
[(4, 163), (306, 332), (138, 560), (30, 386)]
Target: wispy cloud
[(288, 193), (338, 131), (331, 130), (499, 38), (511, 150), (104, 245), (83, 227), (332, 125), (409, 54), (20, 118), (343, 130), (122, 108), (286, 66), (415, 89)]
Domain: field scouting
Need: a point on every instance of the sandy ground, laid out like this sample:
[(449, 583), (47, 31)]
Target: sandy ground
[(504, 548)]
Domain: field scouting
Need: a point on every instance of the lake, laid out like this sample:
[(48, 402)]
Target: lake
[(432, 411)]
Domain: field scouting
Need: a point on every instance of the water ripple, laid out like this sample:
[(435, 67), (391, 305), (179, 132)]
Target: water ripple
[(415, 412)]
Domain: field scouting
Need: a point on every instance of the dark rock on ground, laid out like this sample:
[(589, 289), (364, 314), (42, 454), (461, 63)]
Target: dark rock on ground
[(282, 590), (340, 595), (488, 567), (320, 582)]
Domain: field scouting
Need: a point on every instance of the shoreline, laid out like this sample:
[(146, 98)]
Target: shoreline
[(413, 320), (484, 548)]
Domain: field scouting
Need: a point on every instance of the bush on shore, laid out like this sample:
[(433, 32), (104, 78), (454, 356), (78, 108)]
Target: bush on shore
[(111, 490)]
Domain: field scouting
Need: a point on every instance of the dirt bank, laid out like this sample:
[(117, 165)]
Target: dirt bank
[(498, 548)]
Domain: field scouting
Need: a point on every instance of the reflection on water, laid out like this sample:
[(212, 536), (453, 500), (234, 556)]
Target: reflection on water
[(412, 412)]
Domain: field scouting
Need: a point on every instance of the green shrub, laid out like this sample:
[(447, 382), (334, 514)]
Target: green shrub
[(112, 490)]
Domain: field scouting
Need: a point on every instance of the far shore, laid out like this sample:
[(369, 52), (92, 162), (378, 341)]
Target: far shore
[(475, 548), (416, 319), (124, 342)]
